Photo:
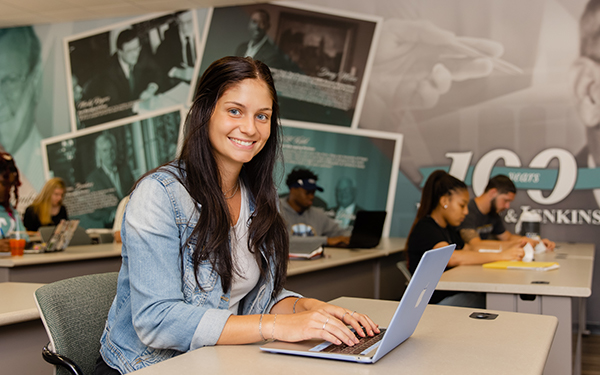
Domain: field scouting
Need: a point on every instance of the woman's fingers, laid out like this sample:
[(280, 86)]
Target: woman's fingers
[(361, 323), (333, 327)]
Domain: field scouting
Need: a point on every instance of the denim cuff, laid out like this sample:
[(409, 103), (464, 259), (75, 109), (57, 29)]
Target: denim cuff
[(210, 328)]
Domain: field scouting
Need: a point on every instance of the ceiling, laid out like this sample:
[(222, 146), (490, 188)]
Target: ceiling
[(33, 12)]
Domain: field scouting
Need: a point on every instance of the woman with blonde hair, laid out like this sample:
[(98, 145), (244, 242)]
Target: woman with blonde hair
[(47, 208)]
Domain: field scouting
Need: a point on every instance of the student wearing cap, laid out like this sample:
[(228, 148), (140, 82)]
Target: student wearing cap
[(301, 217)]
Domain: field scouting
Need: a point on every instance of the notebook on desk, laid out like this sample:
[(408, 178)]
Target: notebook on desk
[(401, 327), (367, 230)]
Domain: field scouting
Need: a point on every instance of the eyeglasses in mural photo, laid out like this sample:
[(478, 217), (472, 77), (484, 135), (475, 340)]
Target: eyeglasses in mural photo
[(319, 60), (131, 69), (101, 165)]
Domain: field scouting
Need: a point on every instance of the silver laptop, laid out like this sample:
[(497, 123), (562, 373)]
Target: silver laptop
[(67, 232), (403, 323)]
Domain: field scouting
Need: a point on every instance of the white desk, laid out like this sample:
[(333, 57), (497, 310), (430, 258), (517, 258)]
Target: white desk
[(50, 267), (446, 341), (365, 273), (22, 334), (548, 293)]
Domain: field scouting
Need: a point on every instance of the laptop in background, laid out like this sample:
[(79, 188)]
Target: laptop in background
[(403, 323), (367, 230), (67, 232)]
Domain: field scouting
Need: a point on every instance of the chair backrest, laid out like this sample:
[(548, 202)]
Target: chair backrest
[(403, 267), (74, 312)]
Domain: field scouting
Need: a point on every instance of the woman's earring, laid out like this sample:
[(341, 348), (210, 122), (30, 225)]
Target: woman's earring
[(445, 206)]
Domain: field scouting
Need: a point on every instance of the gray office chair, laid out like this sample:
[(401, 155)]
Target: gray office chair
[(403, 267), (74, 312)]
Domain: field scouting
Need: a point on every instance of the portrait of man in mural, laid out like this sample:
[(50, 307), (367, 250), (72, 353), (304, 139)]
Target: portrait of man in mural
[(344, 212), (260, 46), (110, 176), (20, 73), (586, 87)]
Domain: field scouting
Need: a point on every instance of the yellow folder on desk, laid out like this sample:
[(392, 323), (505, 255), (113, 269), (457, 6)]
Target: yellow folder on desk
[(508, 264)]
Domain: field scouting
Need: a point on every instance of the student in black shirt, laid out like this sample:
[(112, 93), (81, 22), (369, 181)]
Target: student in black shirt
[(443, 207), (47, 208)]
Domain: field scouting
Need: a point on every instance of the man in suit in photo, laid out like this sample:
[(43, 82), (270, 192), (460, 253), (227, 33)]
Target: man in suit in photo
[(116, 179), (177, 54), (260, 47), (345, 196), (126, 80)]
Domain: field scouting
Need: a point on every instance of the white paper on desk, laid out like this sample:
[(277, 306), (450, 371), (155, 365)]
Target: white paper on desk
[(540, 248), (528, 253), (490, 250)]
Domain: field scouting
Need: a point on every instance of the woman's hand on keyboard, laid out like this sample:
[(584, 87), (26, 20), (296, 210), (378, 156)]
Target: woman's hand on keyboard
[(317, 319)]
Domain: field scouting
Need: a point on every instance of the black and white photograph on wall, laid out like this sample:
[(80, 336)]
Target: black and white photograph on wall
[(131, 69), (100, 165), (319, 59)]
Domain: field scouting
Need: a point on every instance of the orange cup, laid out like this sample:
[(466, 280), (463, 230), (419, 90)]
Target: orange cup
[(17, 246)]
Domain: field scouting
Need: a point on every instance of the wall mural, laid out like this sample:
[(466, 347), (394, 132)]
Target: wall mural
[(475, 87)]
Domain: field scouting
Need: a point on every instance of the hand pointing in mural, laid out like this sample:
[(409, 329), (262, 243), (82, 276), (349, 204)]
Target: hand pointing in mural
[(416, 62)]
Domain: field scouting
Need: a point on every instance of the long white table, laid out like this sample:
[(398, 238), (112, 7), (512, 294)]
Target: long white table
[(538, 292), (50, 267), (22, 334), (447, 341), (367, 273)]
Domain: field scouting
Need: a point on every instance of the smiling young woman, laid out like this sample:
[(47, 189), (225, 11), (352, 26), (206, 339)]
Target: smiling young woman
[(205, 250)]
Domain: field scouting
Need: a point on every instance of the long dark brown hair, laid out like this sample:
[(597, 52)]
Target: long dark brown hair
[(439, 184), (200, 175)]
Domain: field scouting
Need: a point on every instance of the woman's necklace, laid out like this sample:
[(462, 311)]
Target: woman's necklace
[(236, 187)]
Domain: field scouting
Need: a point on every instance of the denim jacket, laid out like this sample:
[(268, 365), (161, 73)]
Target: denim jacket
[(159, 311)]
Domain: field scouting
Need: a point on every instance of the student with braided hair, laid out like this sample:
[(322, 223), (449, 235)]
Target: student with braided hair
[(10, 220)]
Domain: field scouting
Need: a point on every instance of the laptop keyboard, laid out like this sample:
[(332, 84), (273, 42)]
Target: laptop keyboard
[(363, 344)]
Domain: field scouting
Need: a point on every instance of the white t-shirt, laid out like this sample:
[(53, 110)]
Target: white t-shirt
[(246, 271)]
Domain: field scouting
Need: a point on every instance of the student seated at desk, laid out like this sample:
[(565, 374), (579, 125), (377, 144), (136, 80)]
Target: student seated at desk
[(47, 208), (205, 251), (10, 220), (443, 207), (483, 225), (302, 219)]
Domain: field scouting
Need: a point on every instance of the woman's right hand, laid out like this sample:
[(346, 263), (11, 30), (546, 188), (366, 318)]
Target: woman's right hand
[(321, 324)]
